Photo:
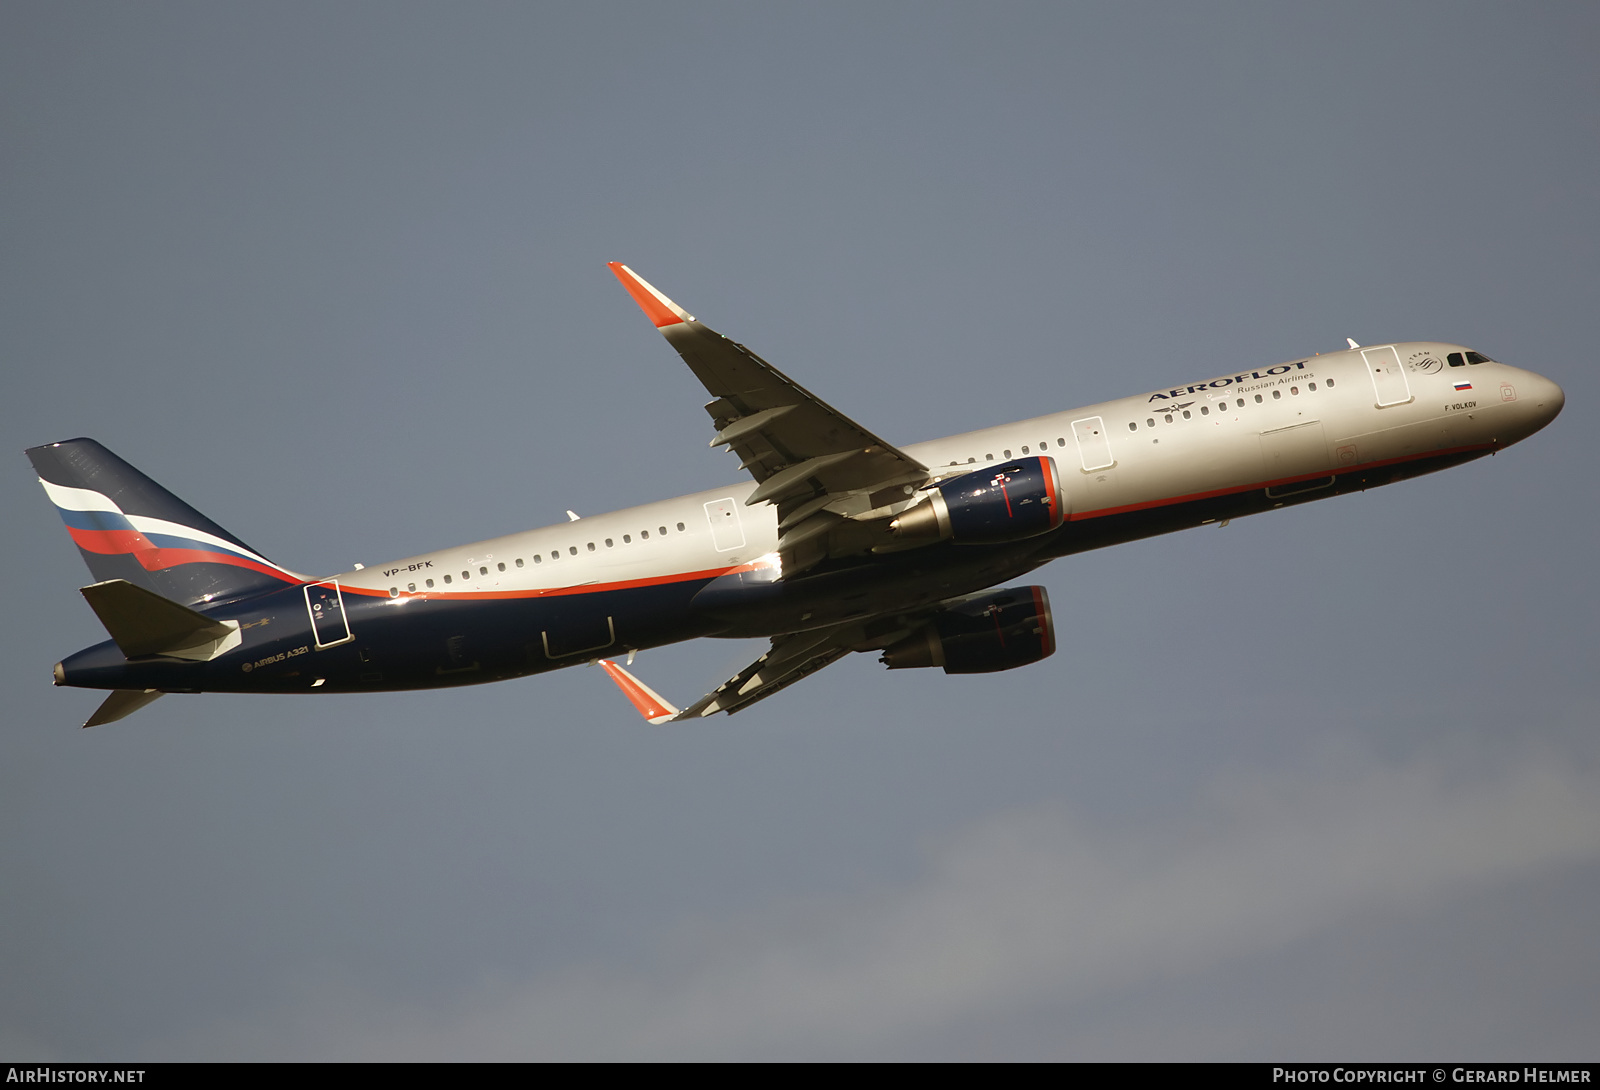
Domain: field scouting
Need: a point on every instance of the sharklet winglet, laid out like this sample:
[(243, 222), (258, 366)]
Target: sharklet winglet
[(646, 700), (657, 307)]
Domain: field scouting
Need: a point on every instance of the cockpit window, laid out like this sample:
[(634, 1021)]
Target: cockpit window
[(1478, 357)]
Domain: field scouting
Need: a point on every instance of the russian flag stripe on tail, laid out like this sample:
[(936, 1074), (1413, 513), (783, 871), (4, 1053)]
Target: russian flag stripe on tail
[(126, 526)]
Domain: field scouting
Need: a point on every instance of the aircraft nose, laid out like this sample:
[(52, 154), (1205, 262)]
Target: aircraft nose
[(1549, 398), (1535, 401)]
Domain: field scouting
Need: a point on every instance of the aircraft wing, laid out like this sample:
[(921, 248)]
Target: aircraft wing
[(792, 657), (808, 458)]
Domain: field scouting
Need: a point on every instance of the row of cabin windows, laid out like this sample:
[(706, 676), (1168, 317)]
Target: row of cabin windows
[(1205, 410), (538, 558), (1044, 444)]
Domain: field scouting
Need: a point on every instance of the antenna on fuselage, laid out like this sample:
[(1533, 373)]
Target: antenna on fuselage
[(572, 516), (1351, 341)]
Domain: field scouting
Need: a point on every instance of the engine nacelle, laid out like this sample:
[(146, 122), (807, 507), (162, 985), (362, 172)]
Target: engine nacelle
[(996, 504), (997, 630)]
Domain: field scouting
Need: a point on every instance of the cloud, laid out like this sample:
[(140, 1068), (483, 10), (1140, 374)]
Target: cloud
[(1032, 904)]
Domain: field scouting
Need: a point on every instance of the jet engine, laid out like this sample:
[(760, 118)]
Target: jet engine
[(996, 630), (996, 504)]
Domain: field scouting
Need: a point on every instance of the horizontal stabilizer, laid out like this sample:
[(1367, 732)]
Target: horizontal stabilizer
[(648, 702), (144, 623), (121, 703)]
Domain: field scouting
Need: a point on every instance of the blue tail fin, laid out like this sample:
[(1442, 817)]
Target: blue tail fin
[(128, 527)]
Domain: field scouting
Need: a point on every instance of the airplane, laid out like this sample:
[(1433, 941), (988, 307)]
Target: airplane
[(839, 542)]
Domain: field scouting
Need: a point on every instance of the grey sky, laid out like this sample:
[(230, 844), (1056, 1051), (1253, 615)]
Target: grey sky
[(1319, 785)]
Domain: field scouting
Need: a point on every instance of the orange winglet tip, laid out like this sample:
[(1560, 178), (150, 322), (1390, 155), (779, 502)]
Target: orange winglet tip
[(657, 307), (646, 700)]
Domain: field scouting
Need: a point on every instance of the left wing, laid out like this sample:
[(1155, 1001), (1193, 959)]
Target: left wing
[(816, 464)]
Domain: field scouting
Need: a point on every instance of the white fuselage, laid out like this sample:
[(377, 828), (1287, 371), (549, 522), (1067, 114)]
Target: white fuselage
[(1250, 429)]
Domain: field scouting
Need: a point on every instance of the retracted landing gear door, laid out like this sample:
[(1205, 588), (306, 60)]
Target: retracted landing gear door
[(326, 606)]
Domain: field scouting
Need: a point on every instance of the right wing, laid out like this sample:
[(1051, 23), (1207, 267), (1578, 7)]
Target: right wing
[(791, 658), (816, 464)]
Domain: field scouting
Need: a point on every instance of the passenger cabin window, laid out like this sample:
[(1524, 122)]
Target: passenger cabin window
[(502, 565), (1330, 384), (1258, 399), (608, 544), (1024, 450), (429, 584), (411, 588), (447, 579), (466, 576), (538, 558), (1204, 411), (572, 549), (626, 540), (1295, 390), (394, 592), (662, 530), (1150, 423), (1277, 395), (680, 527), (1169, 418), (591, 546), (485, 571), (1132, 426)]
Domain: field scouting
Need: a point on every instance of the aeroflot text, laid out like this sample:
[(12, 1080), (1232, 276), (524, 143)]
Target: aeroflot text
[(1228, 380), (1457, 1074)]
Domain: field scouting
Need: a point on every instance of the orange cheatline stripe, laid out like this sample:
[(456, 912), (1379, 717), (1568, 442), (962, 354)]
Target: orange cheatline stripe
[(1169, 501), (555, 592), (653, 308)]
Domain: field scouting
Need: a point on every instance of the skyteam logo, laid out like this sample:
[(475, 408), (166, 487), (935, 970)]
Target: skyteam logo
[(98, 525)]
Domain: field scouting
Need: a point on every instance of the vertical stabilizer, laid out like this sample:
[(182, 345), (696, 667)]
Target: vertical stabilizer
[(128, 527)]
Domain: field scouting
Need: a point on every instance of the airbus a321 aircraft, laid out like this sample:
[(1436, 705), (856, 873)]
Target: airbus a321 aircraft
[(841, 542)]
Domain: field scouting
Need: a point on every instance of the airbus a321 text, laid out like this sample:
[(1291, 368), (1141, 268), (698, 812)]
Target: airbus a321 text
[(840, 542)]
